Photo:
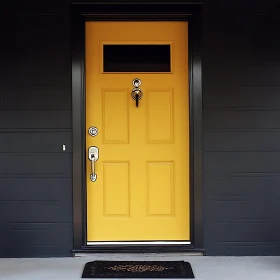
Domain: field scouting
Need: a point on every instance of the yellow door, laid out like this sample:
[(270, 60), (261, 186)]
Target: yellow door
[(141, 189)]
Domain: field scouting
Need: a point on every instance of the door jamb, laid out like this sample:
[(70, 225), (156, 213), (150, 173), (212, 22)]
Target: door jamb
[(105, 11)]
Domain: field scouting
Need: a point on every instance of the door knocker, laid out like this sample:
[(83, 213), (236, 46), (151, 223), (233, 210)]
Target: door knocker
[(136, 93)]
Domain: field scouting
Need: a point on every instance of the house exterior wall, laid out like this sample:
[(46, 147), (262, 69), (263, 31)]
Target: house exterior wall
[(241, 128), (35, 121), (241, 102)]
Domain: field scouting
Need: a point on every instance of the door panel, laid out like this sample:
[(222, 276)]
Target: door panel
[(142, 187)]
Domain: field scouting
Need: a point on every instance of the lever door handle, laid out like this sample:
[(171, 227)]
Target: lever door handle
[(93, 155)]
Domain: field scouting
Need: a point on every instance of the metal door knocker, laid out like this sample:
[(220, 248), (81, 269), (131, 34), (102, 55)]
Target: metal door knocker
[(136, 93)]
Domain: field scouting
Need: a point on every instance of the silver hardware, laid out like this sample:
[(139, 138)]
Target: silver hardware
[(93, 131), (63, 147), (136, 83), (93, 155), (135, 91)]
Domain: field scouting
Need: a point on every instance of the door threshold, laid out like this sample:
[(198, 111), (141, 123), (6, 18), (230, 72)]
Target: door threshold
[(98, 243), (140, 256), (139, 248)]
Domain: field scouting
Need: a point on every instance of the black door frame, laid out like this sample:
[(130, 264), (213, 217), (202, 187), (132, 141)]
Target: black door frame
[(83, 11)]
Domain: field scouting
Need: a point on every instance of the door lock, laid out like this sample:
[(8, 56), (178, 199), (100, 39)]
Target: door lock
[(93, 155)]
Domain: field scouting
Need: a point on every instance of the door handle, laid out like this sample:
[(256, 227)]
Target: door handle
[(93, 155), (137, 93)]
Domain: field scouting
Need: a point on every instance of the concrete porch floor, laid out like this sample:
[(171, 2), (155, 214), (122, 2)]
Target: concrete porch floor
[(205, 268)]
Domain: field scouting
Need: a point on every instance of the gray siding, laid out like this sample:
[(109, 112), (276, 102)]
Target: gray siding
[(35, 120), (241, 113)]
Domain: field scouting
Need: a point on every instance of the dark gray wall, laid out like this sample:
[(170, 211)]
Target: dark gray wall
[(241, 100), (241, 65), (35, 121)]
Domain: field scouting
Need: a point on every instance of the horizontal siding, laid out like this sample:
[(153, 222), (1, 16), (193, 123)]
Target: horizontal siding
[(35, 211), (228, 163), (19, 119), (243, 97), (241, 119), (43, 98), (34, 141), (242, 141), (35, 121), (37, 51), (241, 112), (36, 189), (35, 165)]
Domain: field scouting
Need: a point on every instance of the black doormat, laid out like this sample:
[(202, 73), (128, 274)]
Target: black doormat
[(138, 269)]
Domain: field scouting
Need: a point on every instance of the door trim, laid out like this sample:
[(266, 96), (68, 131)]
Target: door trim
[(82, 11)]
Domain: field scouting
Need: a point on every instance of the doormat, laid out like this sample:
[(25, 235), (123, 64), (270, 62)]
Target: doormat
[(138, 269)]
